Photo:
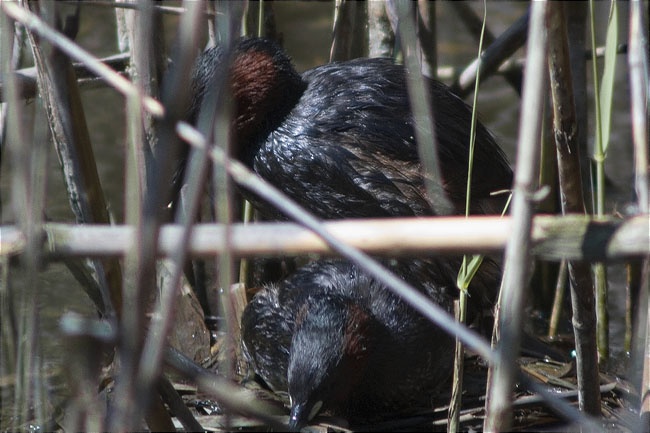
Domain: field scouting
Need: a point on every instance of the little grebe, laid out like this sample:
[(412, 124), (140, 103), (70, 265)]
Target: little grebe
[(338, 341), (339, 139)]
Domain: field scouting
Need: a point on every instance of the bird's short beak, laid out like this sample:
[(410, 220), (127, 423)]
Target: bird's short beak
[(302, 413), (298, 417)]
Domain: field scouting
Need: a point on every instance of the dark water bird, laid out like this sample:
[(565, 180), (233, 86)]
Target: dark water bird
[(339, 138), (338, 341)]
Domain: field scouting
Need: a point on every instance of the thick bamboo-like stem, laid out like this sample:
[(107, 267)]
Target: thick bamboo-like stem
[(555, 238), (565, 132), (517, 255), (639, 94), (577, 34), (381, 38), (14, 144), (638, 61), (603, 98)]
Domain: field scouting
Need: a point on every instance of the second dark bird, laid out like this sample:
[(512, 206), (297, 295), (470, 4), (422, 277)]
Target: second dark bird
[(340, 342)]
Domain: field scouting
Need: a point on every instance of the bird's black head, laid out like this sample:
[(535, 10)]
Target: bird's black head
[(333, 338)]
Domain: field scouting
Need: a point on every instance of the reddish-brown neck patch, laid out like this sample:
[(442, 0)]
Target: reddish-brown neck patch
[(357, 338), (254, 87)]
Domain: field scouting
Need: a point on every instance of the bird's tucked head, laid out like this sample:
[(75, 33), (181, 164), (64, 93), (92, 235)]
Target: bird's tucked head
[(263, 83), (333, 340)]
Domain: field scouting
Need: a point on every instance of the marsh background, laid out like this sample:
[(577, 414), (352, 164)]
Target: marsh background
[(306, 28)]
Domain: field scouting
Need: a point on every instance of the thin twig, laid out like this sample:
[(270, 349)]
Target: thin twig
[(474, 24), (232, 396), (496, 54), (558, 300), (26, 77)]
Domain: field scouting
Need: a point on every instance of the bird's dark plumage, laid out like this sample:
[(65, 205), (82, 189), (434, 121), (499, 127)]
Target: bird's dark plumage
[(335, 339), (340, 141), (340, 138)]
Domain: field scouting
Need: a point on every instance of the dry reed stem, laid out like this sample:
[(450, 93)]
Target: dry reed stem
[(553, 237), (381, 38), (420, 99), (640, 93), (577, 31), (66, 119), (156, 149), (233, 397), (348, 35), (518, 250), (565, 133), (154, 344), (138, 32)]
